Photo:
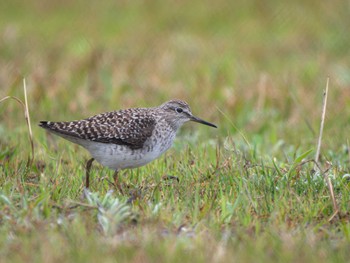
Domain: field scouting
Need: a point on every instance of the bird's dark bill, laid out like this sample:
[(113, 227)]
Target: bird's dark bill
[(196, 119)]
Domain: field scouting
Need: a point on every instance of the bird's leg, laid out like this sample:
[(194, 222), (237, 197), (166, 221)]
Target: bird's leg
[(116, 182), (88, 168)]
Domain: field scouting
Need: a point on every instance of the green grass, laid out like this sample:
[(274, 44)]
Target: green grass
[(246, 190)]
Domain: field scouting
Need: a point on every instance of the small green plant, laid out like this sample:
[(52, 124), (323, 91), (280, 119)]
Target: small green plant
[(112, 212)]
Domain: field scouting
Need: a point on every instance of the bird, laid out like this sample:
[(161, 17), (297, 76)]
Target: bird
[(126, 138)]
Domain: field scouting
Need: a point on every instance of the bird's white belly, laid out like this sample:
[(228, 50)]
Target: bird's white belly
[(119, 157)]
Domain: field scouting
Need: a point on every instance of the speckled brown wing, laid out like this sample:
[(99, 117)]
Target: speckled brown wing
[(129, 127)]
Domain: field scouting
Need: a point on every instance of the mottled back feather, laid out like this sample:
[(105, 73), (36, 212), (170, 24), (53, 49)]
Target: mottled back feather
[(130, 127)]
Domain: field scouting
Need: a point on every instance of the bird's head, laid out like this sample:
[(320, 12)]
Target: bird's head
[(177, 112)]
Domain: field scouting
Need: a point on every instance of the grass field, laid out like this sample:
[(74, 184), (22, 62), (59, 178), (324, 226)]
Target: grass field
[(247, 191)]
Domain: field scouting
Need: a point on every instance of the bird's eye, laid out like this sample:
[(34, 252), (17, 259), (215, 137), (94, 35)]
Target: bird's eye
[(178, 110)]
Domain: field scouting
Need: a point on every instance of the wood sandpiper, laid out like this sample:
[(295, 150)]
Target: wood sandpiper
[(126, 138)]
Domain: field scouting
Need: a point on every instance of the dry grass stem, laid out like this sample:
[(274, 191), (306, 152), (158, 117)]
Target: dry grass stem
[(27, 118), (325, 95), (317, 167)]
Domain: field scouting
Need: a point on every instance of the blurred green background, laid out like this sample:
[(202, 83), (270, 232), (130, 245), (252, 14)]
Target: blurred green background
[(261, 63)]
